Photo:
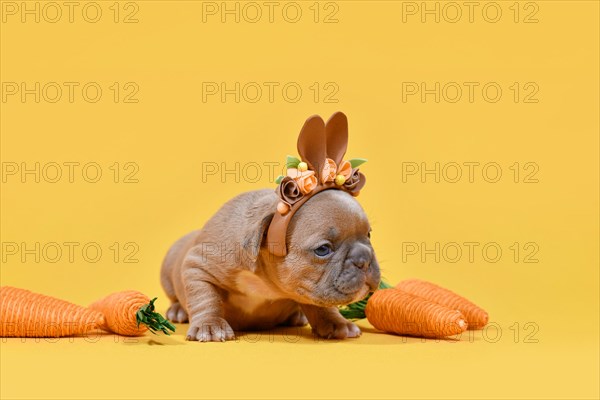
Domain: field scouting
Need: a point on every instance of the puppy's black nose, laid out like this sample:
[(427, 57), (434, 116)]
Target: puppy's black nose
[(360, 256), (362, 263)]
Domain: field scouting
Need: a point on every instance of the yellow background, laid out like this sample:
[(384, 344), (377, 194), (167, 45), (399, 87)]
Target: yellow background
[(170, 132)]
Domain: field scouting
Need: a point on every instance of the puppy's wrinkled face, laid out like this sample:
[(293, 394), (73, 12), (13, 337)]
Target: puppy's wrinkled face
[(330, 259)]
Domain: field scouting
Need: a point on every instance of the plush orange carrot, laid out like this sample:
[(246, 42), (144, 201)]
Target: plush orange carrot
[(27, 314), (395, 311), (130, 313), (476, 317)]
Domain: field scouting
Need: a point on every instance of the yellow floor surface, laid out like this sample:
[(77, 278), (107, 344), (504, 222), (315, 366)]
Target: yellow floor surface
[(291, 363)]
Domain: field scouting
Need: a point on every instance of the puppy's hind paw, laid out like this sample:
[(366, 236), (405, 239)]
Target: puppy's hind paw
[(337, 329), (176, 313), (296, 319), (210, 330)]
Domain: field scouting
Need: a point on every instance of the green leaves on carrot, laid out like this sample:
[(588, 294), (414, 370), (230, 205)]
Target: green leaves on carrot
[(153, 320)]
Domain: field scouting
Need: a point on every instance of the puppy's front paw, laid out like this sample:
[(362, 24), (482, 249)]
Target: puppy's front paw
[(336, 329), (210, 330)]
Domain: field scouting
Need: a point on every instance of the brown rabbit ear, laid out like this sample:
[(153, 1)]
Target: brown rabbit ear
[(336, 134), (311, 143)]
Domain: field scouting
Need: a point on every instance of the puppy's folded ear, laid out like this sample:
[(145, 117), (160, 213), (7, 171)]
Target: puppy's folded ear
[(254, 233)]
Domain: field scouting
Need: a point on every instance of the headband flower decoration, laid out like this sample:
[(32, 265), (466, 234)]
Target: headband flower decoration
[(321, 166), (301, 181)]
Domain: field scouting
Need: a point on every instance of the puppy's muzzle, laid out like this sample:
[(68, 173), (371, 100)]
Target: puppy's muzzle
[(359, 269)]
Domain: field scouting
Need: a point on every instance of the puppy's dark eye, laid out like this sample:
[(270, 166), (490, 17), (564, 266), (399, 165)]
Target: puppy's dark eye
[(323, 250)]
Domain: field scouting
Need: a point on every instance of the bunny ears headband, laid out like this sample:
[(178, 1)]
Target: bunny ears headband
[(321, 147)]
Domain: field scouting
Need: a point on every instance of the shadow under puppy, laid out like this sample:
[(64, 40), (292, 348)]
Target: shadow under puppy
[(227, 277)]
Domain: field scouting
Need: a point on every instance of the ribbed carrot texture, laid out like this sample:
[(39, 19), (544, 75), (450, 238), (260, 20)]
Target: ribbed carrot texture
[(402, 313), (119, 310), (27, 314), (476, 317)]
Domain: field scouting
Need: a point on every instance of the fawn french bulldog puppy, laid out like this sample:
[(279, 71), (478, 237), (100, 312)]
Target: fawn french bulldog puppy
[(223, 278), (280, 258)]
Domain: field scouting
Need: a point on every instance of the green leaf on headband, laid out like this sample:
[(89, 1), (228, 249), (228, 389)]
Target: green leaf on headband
[(355, 162), (292, 162), (279, 179)]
